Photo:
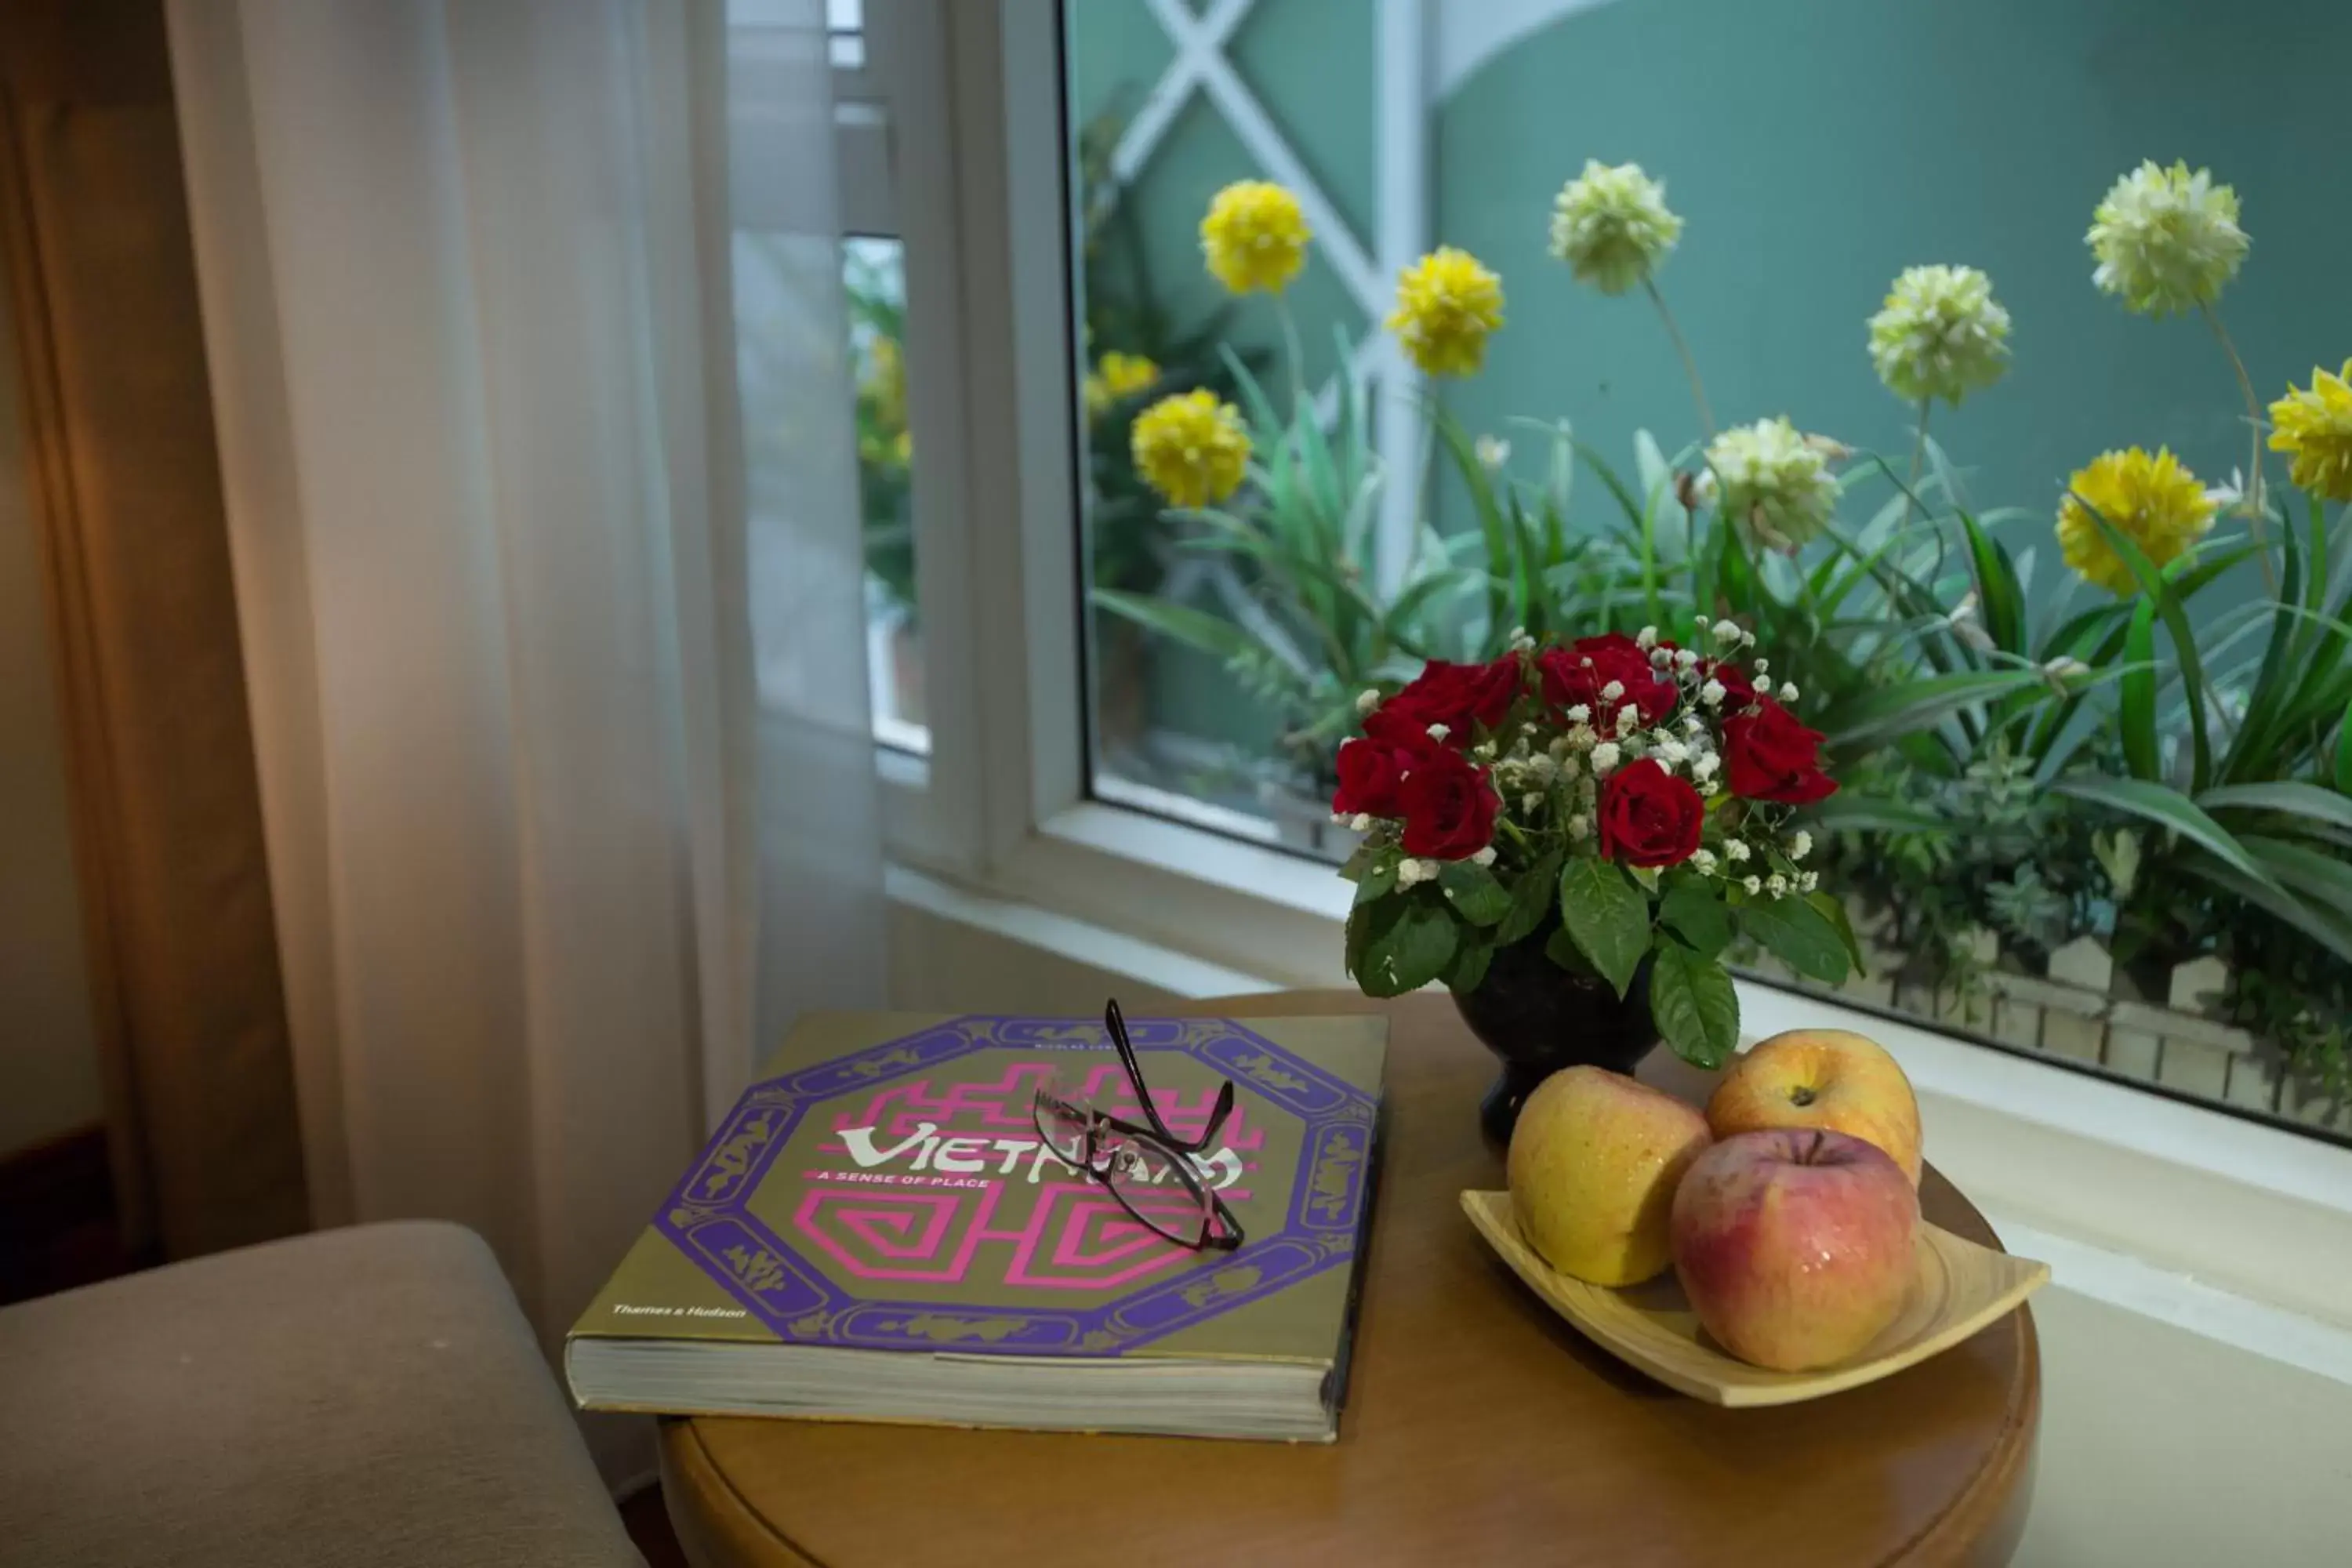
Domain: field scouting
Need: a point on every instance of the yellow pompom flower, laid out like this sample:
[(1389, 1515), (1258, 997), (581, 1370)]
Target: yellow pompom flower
[(1254, 236), (2165, 241), (1446, 305), (1118, 375), (1191, 448), (2155, 502), (2316, 426)]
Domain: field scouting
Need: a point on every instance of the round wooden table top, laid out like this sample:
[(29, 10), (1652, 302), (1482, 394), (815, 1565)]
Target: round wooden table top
[(1479, 1427)]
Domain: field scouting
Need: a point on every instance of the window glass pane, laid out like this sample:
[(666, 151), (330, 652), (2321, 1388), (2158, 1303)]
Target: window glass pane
[(874, 279), (1808, 169)]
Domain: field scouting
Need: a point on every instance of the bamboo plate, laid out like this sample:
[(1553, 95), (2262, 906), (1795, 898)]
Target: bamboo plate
[(1961, 1288)]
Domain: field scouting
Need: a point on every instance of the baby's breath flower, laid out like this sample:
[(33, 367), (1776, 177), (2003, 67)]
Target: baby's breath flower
[(1613, 691), (1941, 334), (1703, 766), (1254, 236), (1807, 881), (1800, 846), (1647, 637), (1686, 658), (1604, 757), (1191, 448), (1413, 873), (2316, 426), (1446, 306), (1763, 666), (1439, 732), (1529, 801), (1484, 856), (1361, 822), (1629, 718), (1711, 693), (1725, 632), (1736, 849), (1579, 713), (1703, 861), (1777, 884), (2155, 502), (1367, 700), (1774, 484), (1752, 883), (2165, 241), (1788, 691), (1612, 226)]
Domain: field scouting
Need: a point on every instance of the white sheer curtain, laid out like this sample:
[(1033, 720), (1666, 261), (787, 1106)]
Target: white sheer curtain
[(564, 751)]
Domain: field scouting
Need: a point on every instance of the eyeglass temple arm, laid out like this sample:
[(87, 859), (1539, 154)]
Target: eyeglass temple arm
[(1115, 1025)]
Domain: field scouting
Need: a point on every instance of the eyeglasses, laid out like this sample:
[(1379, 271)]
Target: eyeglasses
[(1148, 1168)]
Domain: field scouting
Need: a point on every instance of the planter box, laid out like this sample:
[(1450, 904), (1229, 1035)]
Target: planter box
[(2080, 1009)]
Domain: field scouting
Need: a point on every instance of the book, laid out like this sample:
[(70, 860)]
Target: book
[(877, 1231)]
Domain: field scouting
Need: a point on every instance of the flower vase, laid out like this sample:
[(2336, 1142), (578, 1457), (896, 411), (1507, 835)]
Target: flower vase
[(1540, 1018)]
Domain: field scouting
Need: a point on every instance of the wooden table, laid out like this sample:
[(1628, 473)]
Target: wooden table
[(1479, 1427)]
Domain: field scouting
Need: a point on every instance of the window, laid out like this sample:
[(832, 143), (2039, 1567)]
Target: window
[(2097, 843)]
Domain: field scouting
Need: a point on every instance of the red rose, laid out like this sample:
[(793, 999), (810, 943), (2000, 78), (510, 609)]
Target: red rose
[(1371, 769), (1449, 807), (1455, 694), (1648, 817), (1576, 676), (1770, 756)]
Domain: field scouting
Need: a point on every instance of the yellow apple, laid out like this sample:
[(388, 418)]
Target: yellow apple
[(1822, 1078), (1594, 1164)]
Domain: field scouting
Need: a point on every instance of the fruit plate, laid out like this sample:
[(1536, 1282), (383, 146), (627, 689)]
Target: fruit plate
[(1960, 1288)]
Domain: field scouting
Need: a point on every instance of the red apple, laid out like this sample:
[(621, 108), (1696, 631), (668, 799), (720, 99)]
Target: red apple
[(1794, 1244)]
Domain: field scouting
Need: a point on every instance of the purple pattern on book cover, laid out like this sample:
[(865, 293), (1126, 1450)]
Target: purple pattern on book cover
[(921, 1191)]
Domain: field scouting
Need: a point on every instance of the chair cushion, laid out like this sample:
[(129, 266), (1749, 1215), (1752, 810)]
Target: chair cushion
[(366, 1398)]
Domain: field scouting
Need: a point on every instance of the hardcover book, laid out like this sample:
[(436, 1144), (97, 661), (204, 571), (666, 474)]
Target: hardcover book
[(877, 1231)]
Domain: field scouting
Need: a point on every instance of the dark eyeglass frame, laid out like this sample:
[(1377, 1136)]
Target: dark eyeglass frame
[(1219, 1231)]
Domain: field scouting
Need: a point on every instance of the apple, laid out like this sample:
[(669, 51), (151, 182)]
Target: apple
[(1794, 1244), (1822, 1078), (1593, 1165)]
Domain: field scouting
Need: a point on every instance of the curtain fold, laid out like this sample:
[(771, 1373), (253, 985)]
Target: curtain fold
[(561, 818)]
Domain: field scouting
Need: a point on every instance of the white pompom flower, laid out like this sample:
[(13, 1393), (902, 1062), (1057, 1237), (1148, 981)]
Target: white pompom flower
[(1774, 482), (2165, 241), (1612, 226), (1941, 334)]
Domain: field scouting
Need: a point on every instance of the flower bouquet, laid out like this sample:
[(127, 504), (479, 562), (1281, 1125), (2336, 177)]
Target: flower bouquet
[(1610, 815)]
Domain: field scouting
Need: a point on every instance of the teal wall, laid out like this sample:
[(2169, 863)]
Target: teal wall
[(1816, 147)]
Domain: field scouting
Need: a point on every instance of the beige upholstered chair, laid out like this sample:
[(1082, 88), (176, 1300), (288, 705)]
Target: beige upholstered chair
[(361, 1398)]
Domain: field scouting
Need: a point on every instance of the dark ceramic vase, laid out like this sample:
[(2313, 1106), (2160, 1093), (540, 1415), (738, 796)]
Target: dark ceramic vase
[(1538, 1019)]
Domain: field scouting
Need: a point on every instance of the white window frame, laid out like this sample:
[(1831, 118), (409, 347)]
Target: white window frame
[(999, 807)]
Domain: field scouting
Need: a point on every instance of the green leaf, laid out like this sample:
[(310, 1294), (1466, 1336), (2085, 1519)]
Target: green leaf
[(1475, 891), (2318, 924), (1380, 876), (1532, 899), (1408, 950), (1998, 594), (2141, 752), (1608, 916), (1832, 909), (2344, 753), (1212, 635), (1896, 709), (1695, 1006), (1694, 911), (1470, 962), (1799, 935), (2285, 796), (1847, 812), (1562, 949), (2152, 583), (2310, 877), (2168, 808)]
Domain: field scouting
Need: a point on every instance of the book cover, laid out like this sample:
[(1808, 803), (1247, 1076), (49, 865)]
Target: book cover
[(883, 1186)]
